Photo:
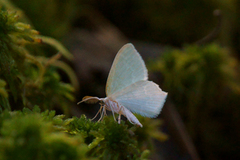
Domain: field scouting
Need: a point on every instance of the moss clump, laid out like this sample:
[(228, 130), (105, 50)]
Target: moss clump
[(30, 79), (32, 134), (35, 135), (203, 83)]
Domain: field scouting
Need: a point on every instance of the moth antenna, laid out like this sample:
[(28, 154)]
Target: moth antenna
[(89, 99)]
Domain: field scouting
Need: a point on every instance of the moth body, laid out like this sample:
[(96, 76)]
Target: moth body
[(114, 106)]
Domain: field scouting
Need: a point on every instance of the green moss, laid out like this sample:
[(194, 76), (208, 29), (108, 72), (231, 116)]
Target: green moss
[(203, 83), (31, 79), (32, 134), (83, 126), (57, 18), (117, 142), (195, 71)]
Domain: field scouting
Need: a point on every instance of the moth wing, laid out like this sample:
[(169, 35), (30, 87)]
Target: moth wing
[(143, 97), (128, 67)]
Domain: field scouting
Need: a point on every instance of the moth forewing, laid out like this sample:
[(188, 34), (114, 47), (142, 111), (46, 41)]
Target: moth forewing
[(128, 67)]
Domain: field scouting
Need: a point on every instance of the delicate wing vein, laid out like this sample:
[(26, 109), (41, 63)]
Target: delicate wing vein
[(127, 68), (143, 97)]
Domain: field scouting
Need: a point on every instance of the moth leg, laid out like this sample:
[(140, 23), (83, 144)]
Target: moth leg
[(97, 113), (105, 113), (102, 114), (119, 119), (113, 113), (120, 113)]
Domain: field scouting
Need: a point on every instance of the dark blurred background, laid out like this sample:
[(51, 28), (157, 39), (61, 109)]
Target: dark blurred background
[(191, 49)]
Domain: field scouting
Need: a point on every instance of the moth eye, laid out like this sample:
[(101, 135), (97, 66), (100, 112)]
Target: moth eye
[(90, 100)]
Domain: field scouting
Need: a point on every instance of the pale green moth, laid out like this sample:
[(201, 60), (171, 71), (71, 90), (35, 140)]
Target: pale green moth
[(128, 89)]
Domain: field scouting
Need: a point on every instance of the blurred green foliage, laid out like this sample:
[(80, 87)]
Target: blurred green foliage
[(52, 18), (203, 83), (150, 132), (31, 134), (3, 92), (28, 79), (4, 96)]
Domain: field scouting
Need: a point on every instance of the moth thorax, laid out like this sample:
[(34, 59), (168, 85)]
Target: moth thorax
[(90, 100)]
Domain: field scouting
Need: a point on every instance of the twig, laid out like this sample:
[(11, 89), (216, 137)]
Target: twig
[(212, 35)]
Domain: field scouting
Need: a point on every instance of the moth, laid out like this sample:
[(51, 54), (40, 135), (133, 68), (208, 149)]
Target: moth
[(128, 89)]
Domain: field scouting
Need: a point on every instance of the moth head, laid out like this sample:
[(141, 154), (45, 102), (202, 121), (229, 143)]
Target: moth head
[(91, 100)]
